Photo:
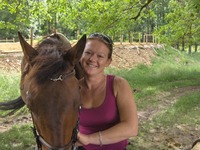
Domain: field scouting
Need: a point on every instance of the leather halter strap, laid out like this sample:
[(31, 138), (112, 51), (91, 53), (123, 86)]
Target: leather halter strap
[(40, 141), (62, 77), (54, 148)]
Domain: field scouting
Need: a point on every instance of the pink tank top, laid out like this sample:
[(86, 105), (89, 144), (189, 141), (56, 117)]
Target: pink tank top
[(101, 118)]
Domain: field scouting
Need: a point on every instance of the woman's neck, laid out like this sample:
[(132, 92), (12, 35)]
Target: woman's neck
[(94, 82)]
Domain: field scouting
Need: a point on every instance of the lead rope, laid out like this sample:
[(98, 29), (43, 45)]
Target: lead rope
[(75, 132), (39, 144), (75, 137)]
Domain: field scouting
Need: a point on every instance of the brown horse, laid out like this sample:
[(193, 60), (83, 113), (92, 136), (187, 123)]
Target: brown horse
[(50, 89)]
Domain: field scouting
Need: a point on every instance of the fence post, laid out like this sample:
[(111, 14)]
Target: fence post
[(139, 36), (131, 37), (144, 36), (31, 36), (121, 38), (78, 34), (112, 38), (147, 38)]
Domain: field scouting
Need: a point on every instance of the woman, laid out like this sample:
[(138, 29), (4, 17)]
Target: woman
[(108, 116)]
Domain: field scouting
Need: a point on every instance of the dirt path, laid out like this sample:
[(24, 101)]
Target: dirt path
[(166, 100), (180, 136), (6, 123)]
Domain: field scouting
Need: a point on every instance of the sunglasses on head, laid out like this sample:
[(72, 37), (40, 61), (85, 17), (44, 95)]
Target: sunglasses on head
[(103, 37)]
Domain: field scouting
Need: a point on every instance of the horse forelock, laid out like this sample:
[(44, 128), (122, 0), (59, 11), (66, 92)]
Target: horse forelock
[(49, 61)]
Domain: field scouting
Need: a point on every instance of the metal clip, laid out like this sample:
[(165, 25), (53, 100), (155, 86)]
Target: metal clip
[(60, 78)]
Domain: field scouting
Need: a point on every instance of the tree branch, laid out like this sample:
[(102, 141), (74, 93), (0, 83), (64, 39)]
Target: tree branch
[(143, 6), (137, 16)]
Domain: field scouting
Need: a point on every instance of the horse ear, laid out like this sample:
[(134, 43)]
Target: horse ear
[(74, 54), (28, 50)]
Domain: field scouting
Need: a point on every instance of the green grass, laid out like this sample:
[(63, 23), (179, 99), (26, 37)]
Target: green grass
[(170, 69), (167, 72), (185, 111), (9, 85), (18, 138)]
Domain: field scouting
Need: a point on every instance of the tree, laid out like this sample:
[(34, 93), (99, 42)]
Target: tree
[(108, 16), (182, 26)]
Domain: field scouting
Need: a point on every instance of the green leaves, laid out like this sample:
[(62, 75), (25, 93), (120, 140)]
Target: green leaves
[(170, 20), (181, 25), (88, 15)]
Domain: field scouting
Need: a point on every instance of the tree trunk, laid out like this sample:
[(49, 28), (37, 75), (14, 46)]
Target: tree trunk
[(121, 38), (131, 37), (31, 36), (178, 47), (183, 45), (49, 27), (195, 47), (190, 49)]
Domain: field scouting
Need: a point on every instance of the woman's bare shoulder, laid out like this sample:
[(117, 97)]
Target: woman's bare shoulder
[(118, 80), (120, 85)]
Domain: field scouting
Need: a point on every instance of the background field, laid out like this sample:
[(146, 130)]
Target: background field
[(166, 87)]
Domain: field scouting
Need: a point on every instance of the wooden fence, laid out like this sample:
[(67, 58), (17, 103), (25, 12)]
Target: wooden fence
[(138, 38), (130, 38), (7, 40)]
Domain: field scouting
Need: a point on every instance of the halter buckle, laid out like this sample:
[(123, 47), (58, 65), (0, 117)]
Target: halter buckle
[(60, 78)]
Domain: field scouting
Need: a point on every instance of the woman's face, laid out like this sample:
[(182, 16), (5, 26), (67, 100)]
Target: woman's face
[(95, 57)]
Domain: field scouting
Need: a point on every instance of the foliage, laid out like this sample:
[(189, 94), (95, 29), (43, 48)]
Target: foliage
[(105, 13), (85, 16), (19, 15), (173, 22), (182, 23)]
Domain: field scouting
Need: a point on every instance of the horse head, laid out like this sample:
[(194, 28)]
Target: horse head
[(50, 89)]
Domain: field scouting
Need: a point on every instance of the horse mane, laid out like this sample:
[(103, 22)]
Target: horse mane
[(49, 61)]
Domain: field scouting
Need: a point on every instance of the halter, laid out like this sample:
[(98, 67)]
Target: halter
[(41, 141), (62, 77)]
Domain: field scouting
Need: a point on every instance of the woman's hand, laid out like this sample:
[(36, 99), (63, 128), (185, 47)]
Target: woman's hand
[(82, 139)]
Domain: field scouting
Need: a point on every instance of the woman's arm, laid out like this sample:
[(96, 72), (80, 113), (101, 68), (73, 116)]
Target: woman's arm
[(128, 125)]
